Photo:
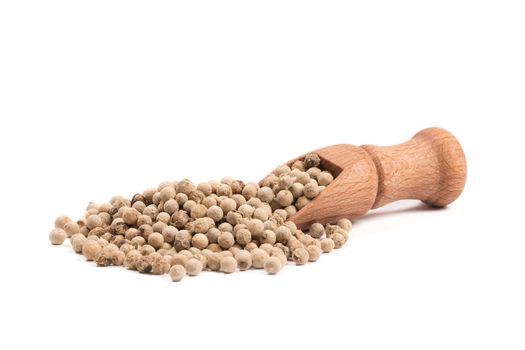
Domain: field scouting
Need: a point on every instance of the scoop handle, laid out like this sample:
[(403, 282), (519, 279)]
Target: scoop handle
[(430, 167)]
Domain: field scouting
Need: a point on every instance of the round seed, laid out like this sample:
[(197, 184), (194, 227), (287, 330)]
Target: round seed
[(244, 259), (272, 265), (57, 236), (177, 273), (228, 264), (193, 267)]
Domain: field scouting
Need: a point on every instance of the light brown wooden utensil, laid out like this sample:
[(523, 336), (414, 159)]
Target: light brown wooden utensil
[(430, 167)]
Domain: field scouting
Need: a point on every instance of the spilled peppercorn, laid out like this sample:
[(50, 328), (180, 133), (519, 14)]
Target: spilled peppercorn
[(179, 228)]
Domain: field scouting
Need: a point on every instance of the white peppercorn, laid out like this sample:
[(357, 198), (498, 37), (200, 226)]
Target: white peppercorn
[(93, 221), (177, 273), (233, 217), (61, 221), (199, 241), (303, 178), (205, 188), (224, 190), (268, 236), (228, 264), (214, 261), (345, 224), (314, 252), (299, 165), (272, 265), (250, 190), (311, 190), (213, 234), (284, 198), (226, 240), (179, 219), (155, 240), (261, 213), (243, 236), (313, 172), (259, 256), (316, 230), (311, 160), (179, 259), (130, 215), (117, 258), (283, 234), (163, 217), (226, 227), (77, 241), (57, 236), (185, 186), (161, 265), (71, 228), (300, 256), (244, 259), (265, 194), (325, 178), (91, 250), (193, 267), (302, 202), (250, 246), (215, 212), (339, 240), (228, 204)]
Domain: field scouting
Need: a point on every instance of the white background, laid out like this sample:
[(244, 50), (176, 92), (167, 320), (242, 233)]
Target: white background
[(99, 98)]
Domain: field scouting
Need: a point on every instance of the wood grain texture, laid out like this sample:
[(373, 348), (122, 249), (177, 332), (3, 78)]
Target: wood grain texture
[(351, 194), (430, 167)]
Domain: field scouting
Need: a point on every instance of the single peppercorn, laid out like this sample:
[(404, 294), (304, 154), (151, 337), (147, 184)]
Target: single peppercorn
[(155, 240), (339, 240), (57, 236), (243, 236), (193, 267), (272, 265), (199, 241), (91, 249), (117, 258), (300, 256), (93, 221), (226, 240), (215, 212), (177, 273), (71, 228), (77, 241), (311, 160), (268, 237), (259, 256), (131, 259), (228, 204), (228, 264), (316, 230), (265, 194), (284, 198), (143, 265), (311, 190), (325, 178), (345, 224), (244, 259), (61, 221), (314, 252), (161, 265)]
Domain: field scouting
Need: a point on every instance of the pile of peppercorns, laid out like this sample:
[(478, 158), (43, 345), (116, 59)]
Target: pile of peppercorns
[(180, 229)]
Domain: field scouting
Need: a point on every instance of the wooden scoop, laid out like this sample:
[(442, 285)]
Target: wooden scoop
[(430, 167)]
